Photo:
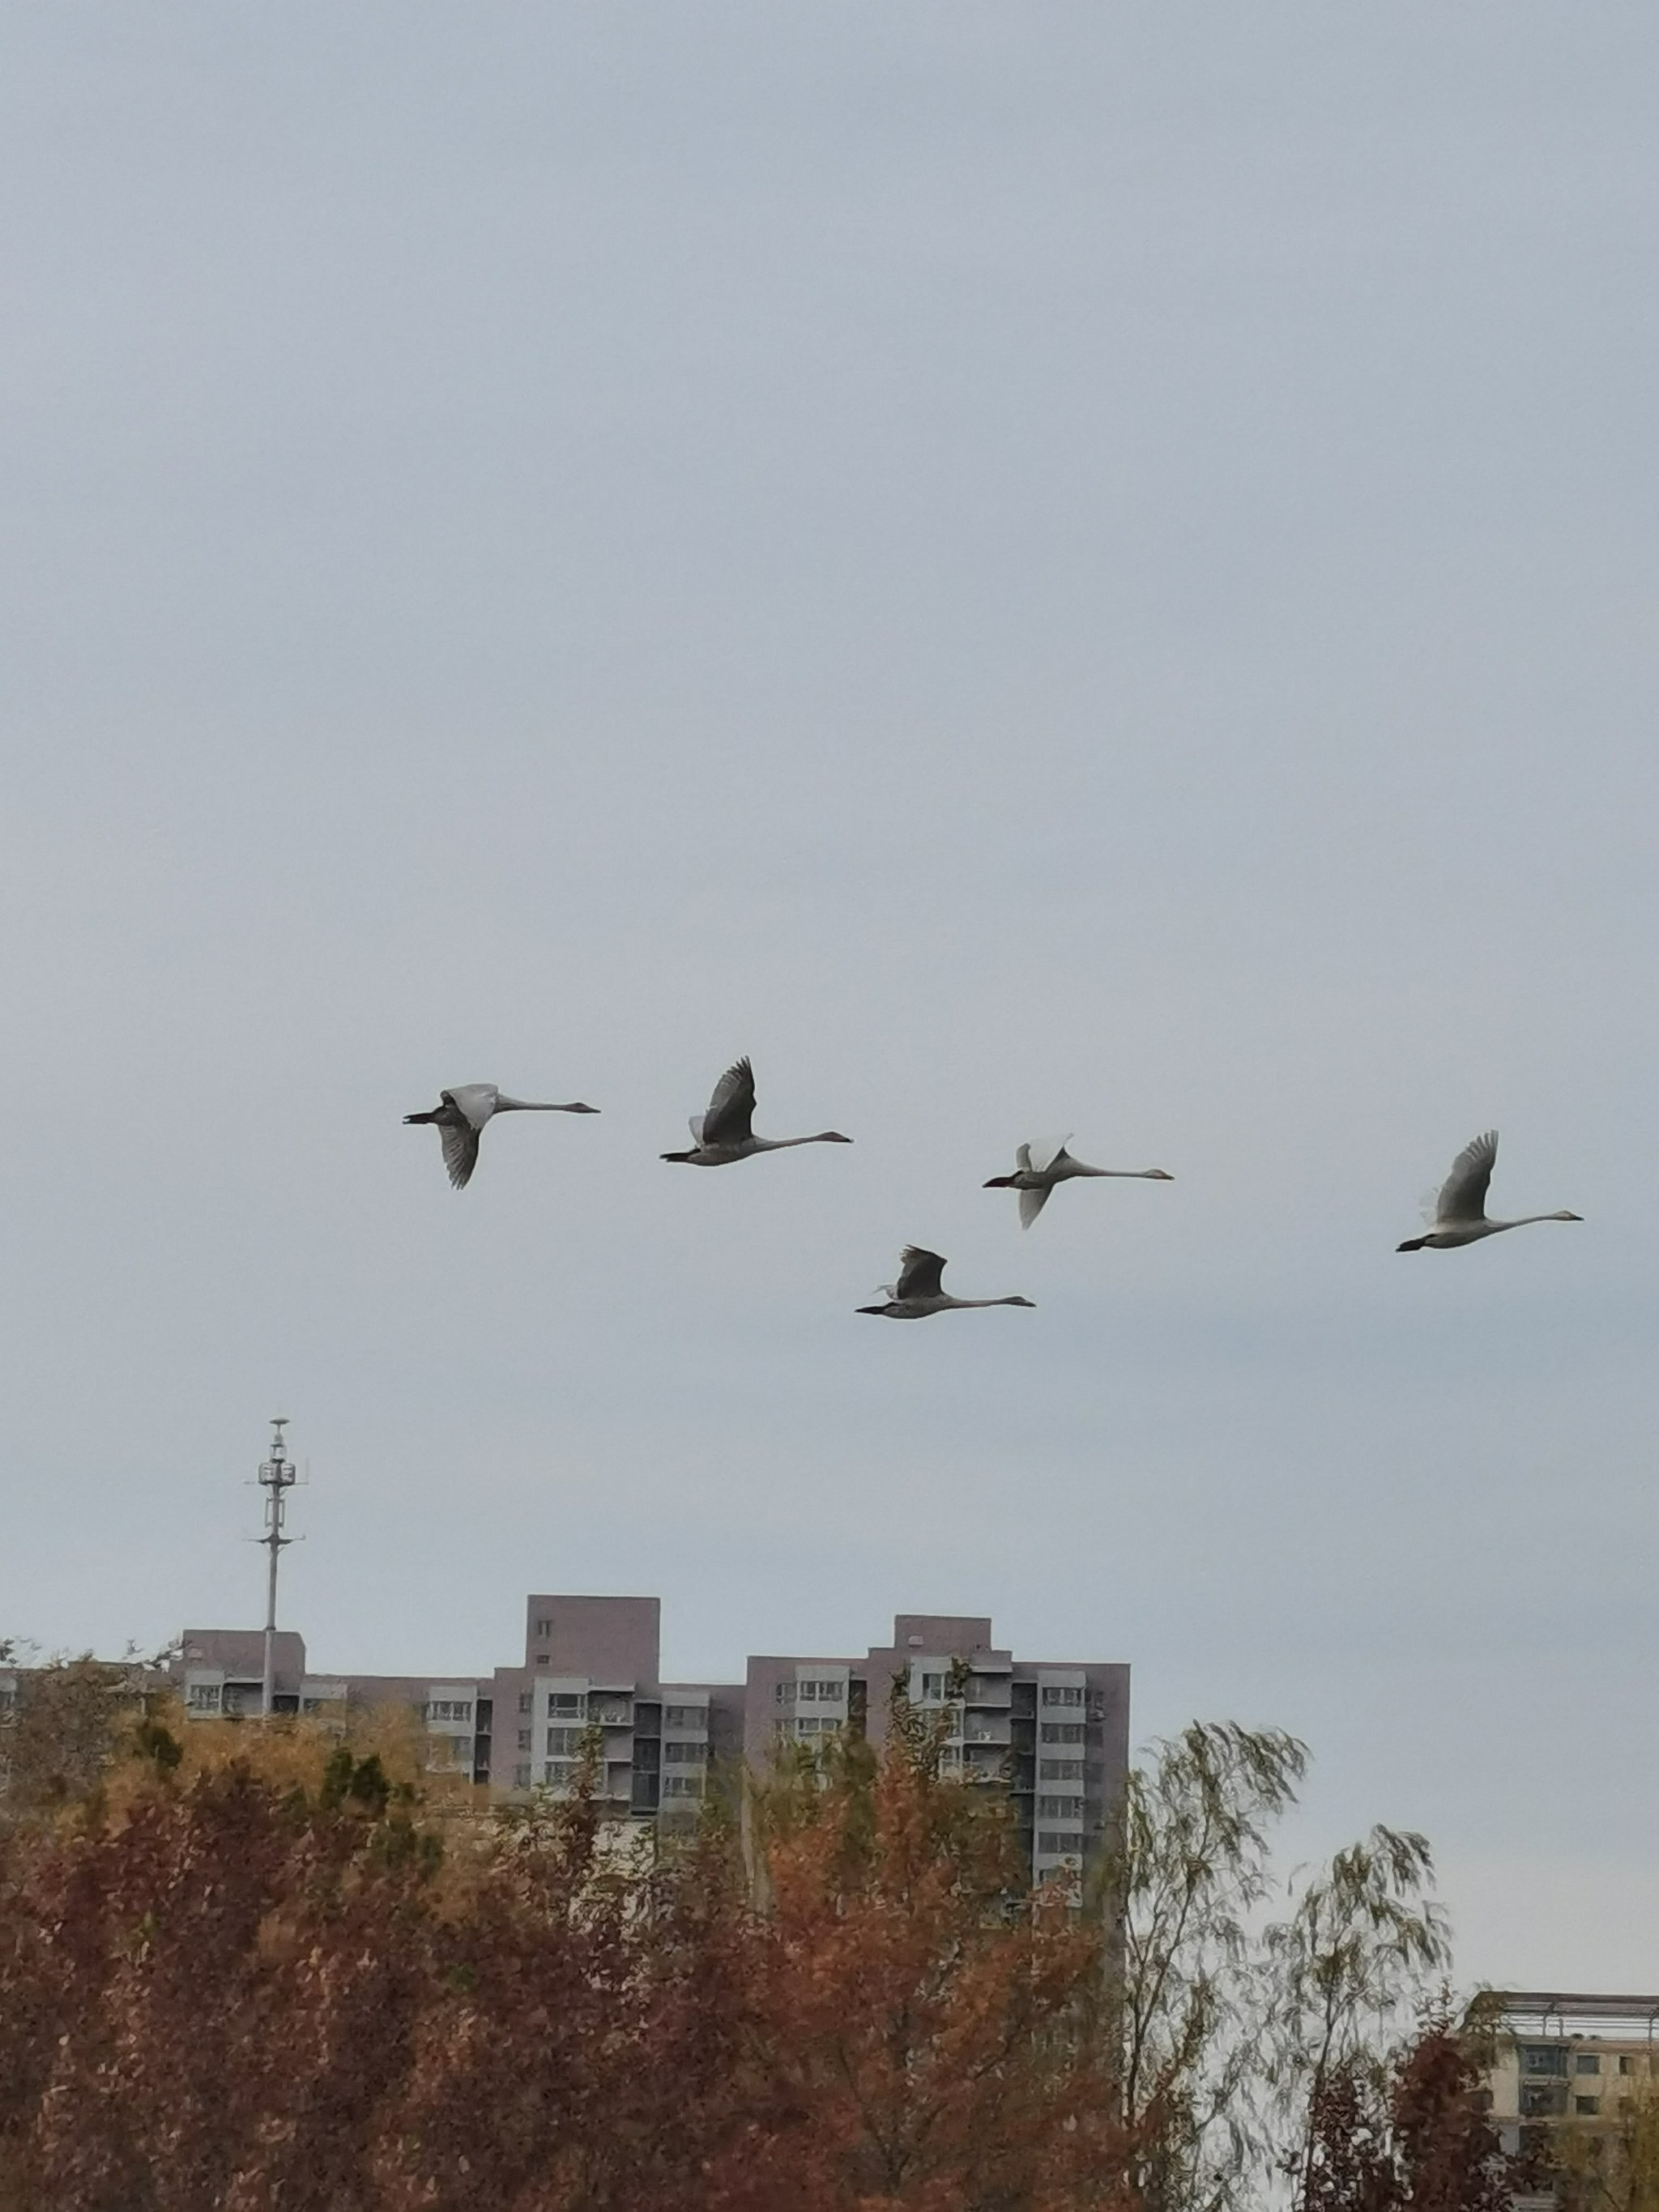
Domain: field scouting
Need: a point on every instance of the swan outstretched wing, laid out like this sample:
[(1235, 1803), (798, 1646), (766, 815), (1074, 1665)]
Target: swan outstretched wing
[(460, 1152), (1022, 1159), (731, 1108), (1031, 1203), (1463, 1195), (694, 1125), (475, 1100), (919, 1273), (1043, 1151)]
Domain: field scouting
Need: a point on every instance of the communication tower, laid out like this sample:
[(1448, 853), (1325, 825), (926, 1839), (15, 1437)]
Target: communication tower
[(277, 1476)]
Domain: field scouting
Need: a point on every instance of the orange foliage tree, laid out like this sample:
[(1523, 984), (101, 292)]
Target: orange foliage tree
[(254, 1973), (927, 2036)]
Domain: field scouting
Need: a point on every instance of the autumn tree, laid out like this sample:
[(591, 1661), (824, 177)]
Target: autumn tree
[(1416, 2139), (261, 1974), (922, 2034), (260, 1968), (61, 1730)]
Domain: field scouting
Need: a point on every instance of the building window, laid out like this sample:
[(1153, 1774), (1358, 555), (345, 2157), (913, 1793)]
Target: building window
[(1586, 2062), (541, 1658), (783, 1693), (1544, 2058), (1543, 2100), (1062, 1697), (682, 1785), (1056, 1843), (202, 1698), (448, 1709), (1060, 1770), (525, 1701), (1586, 2107), (1061, 1731), (687, 1716), (816, 1689), (684, 1754), (524, 1739), (544, 1627), (567, 1743), (932, 1687), (1060, 1808), (616, 1712), (521, 1778), (566, 1705), (1628, 2065)]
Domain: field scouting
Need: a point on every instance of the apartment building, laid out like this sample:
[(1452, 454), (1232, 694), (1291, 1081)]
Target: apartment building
[(588, 1663), (1053, 1732), (1571, 2071), (595, 1663)]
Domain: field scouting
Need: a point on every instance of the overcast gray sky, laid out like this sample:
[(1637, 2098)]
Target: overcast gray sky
[(1035, 568)]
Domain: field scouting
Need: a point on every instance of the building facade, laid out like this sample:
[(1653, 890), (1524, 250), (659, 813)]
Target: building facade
[(1572, 2072)]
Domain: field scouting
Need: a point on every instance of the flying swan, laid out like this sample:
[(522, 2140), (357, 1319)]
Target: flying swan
[(917, 1293), (460, 1116), (1040, 1166), (723, 1133), (1460, 1211)]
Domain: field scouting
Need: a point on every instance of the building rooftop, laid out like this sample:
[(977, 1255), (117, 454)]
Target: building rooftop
[(1546, 2012)]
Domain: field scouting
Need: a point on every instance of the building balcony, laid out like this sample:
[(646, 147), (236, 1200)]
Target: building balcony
[(986, 1727), (997, 1692)]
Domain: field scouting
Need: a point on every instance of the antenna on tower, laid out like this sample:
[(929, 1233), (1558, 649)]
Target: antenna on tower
[(277, 1476)]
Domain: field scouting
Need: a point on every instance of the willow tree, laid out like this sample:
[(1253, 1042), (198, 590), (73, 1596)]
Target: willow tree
[(1184, 1888)]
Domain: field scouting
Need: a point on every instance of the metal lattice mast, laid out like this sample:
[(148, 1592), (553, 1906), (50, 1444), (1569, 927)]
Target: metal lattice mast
[(277, 1476)]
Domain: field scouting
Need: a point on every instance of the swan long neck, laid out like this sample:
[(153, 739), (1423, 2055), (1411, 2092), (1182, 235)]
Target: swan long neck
[(1522, 1220), (535, 1106), (787, 1143)]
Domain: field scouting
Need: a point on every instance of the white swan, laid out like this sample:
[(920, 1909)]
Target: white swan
[(1460, 1211), (723, 1133), (461, 1115), (1042, 1165), (917, 1293)]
